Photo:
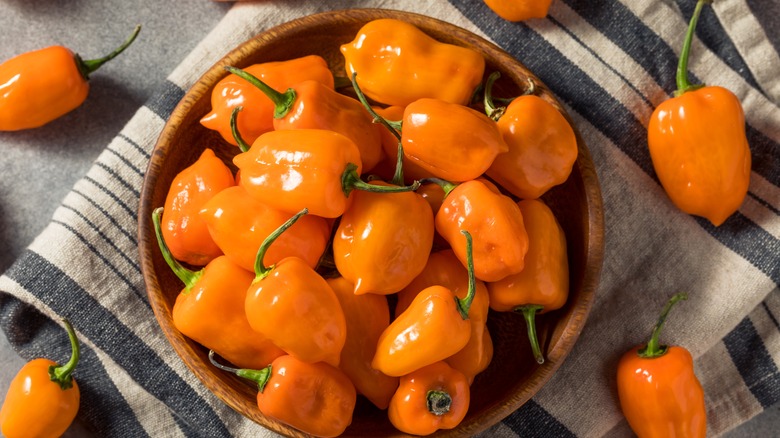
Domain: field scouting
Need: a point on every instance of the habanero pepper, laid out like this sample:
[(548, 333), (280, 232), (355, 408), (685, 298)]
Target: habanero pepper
[(43, 398), (543, 284), (367, 317), (659, 393), (210, 309), (315, 398), (698, 145), (399, 63), (435, 326), (184, 231), (257, 118), (519, 10), (305, 168), (434, 397), (294, 307), (42, 85)]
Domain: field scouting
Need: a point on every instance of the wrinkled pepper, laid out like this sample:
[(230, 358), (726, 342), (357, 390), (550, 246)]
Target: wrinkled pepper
[(519, 10), (367, 317), (185, 231), (659, 393), (294, 307), (543, 285), (210, 309), (698, 144), (315, 398), (43, 398), (399, 63), (43, 85), (428, 399), (258, 113)]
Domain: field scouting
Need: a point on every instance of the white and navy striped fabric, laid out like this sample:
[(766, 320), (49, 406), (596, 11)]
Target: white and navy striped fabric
[(609, 62)]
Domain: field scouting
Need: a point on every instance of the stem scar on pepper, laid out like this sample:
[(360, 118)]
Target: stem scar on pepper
[(438, 402)]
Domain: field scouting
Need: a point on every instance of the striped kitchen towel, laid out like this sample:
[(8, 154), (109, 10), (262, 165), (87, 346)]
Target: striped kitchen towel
[(609, 63)]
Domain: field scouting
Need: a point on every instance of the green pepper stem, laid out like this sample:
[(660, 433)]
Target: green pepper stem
[(350, 180), (529, 312), (682, 67), (654, 348), (62, 375), (464, 305), (491, 110), (242, 144), (438, 402), (89, 66), (398, 175), (261, 377), (188, 277), (262, 271), (445, 185), (394, 127), (283, 102)]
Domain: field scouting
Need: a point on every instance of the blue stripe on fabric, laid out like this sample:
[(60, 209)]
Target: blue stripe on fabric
[(130, 210), (771, 315), (130, 236), (533, 421), (168, 96), (135, 145), (127, 162), (767, 12), (65, 297), (117, 177), (754, 363)]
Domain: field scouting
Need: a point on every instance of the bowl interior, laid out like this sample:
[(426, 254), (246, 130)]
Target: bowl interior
[(513, 377)]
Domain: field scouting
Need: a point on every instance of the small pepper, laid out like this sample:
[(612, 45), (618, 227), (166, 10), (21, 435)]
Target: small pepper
[(431, 398), (659, 393), (543, 285), (40, 86), (435, 326), (185, 232), (399, 63), (367, 317), (315, 398), (698, 145), (258, 115), (294, 307), (519, 10), (210, 309), (43, 398)]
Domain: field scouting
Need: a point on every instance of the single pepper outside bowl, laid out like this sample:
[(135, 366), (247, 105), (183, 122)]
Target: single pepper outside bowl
[(513, 376)]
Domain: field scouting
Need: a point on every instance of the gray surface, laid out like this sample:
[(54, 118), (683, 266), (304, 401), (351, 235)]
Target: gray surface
[(39, 166)]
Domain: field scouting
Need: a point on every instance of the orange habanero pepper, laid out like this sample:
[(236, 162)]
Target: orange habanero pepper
[(43, 398), (40, 86), (185, 232), (367, 317), (543, 285), (399, 63), (659, 393), (315, 398), (257, 116), (435, 326), (210, 309), (305, 168), (519, 10), (698, 145), (294, 307), (434, 397)]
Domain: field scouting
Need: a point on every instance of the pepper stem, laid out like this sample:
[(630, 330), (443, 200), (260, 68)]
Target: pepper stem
[(398, 176), (491, 110), (260, 377), (242, 144), (529, 312), (464, 305), (62, 374), (443, 183), (682, 67), (89, 66), (394, 127), (350, 180), (653, 348), (438, 402), (261, 271), (188, 277), (283, 102)]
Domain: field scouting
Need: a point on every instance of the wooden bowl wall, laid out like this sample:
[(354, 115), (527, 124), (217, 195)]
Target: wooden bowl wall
[(513, 377)]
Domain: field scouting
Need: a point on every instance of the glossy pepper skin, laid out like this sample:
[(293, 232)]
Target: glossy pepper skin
[(659, 393), (185, 232), (543, 284), (315, 398), (431, 398), (43, 398), (383, 240), (43, 85), (698, 145), (398, 64), (210, 309), (239, 223), (519, 10), (367, 317), (257, 115)]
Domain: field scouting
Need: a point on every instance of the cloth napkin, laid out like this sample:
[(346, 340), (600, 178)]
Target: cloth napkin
[(609, 62)]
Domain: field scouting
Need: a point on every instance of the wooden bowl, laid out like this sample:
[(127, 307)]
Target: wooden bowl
[(513, 377)]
